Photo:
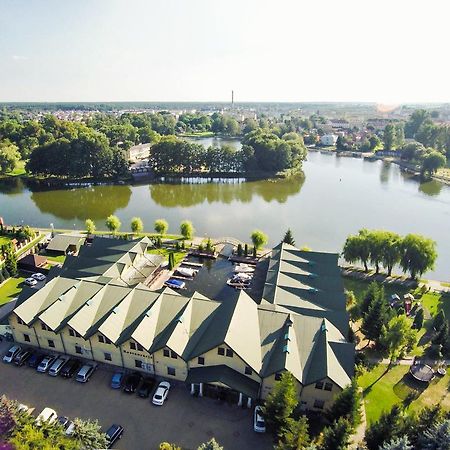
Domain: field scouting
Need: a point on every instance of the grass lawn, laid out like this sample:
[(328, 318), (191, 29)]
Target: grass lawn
[(359, 287), (59, 259), (10, 289), (434, 302), (382, 390), (179, 256)]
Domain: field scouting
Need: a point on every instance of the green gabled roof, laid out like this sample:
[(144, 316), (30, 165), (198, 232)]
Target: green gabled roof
[(224, 375), (41, 299), (61, 242)]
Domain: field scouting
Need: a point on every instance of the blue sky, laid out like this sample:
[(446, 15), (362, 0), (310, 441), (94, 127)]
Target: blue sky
[(387, 51)]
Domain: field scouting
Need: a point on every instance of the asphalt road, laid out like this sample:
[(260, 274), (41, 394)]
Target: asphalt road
[(184, 420)]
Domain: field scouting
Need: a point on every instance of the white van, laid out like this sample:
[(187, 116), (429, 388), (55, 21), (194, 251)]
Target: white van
[(11, 354), (85, 373), (47, 415), (57, 366)]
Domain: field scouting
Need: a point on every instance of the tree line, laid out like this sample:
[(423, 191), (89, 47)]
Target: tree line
[(262, 151), (415, 254)]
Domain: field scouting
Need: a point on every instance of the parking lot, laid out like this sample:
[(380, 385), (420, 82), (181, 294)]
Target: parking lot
[(184, 420)]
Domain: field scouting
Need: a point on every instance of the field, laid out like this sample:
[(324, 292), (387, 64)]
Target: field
[(383, 389), (10, 289), (179, 256), (360, 286)]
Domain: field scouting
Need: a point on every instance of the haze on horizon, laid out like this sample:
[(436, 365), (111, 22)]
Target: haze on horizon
[(198, 50)]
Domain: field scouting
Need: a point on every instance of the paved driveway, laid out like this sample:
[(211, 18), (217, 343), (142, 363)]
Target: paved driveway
[(184, 420)]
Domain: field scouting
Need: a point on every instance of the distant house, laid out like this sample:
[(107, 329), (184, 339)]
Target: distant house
[(64, 243), (32, 263), (138, 152), (328, 139)]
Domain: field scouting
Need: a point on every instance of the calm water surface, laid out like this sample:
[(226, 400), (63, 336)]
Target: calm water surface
[(336, 196)]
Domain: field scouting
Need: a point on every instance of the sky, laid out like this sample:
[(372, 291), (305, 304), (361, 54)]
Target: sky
[(385, 51)]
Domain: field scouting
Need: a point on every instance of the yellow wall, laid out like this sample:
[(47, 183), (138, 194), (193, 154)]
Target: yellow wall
[(212, 358), (99, 349), (130, 356), (19, 330), (268, 383), (309, 394), (163, 362), (43, 337), (71, 341)]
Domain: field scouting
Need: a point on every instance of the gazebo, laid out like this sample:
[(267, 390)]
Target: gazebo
[(422, 372)]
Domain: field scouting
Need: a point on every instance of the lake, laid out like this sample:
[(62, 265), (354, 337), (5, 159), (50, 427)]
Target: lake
[(335, 197)]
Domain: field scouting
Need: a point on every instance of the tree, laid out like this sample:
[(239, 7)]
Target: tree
[(295, 435), (9, 156), (439, 320), (376, 316), (337, 436), (418, 319), (347, 404), (389, 136), (426, 419), (212, 444), (357, 248), (137, 226), (171, 261), (187, 229), (10, 261), (161, 226), (401, 443), (168, 446), (433, 161), (259, 239), (400, 337), (113, 224), (288, 238), (389, 426), (436, 438), (88, 434), (391, 244), (90, 226), (280, 403), (418, 254)]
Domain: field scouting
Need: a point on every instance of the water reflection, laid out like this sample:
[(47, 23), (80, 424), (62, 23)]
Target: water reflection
[(431, 188), (184, 195), (12, 186), (385, 172), (96, 202)]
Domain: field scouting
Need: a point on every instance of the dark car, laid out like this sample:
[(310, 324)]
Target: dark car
[(70, 368), (113, 433), (131, 383), (22, 357), (63, 421), (36, 359), (146, 387)]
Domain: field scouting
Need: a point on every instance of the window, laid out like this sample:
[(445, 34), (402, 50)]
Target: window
[(328, 386), (248, 370), (277, 376), (229, 352), (319, 385), (45, 327), (138, 363), (171, 371), (71, 332), (20, 321), (221, 351), (78, 349), (108, 357), (201, 360), (173, 354), (319, 404), (166, 352), (132, 346), (140, 348), (26, 337), (51, 343), (101, 339)]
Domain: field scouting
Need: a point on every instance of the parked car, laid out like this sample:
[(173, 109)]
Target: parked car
[(47, 415), (57, 366), (69, 369), (38, 276), (175, 284), (117, 380), (161, 393), (85, 373), (259, 425), (22, 408), (30, 282), (63, 420), (11, 354), (35, 360), (113, 433), (146, 387), (70, 428), (46, 363), (131, 382), (22, 357)]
